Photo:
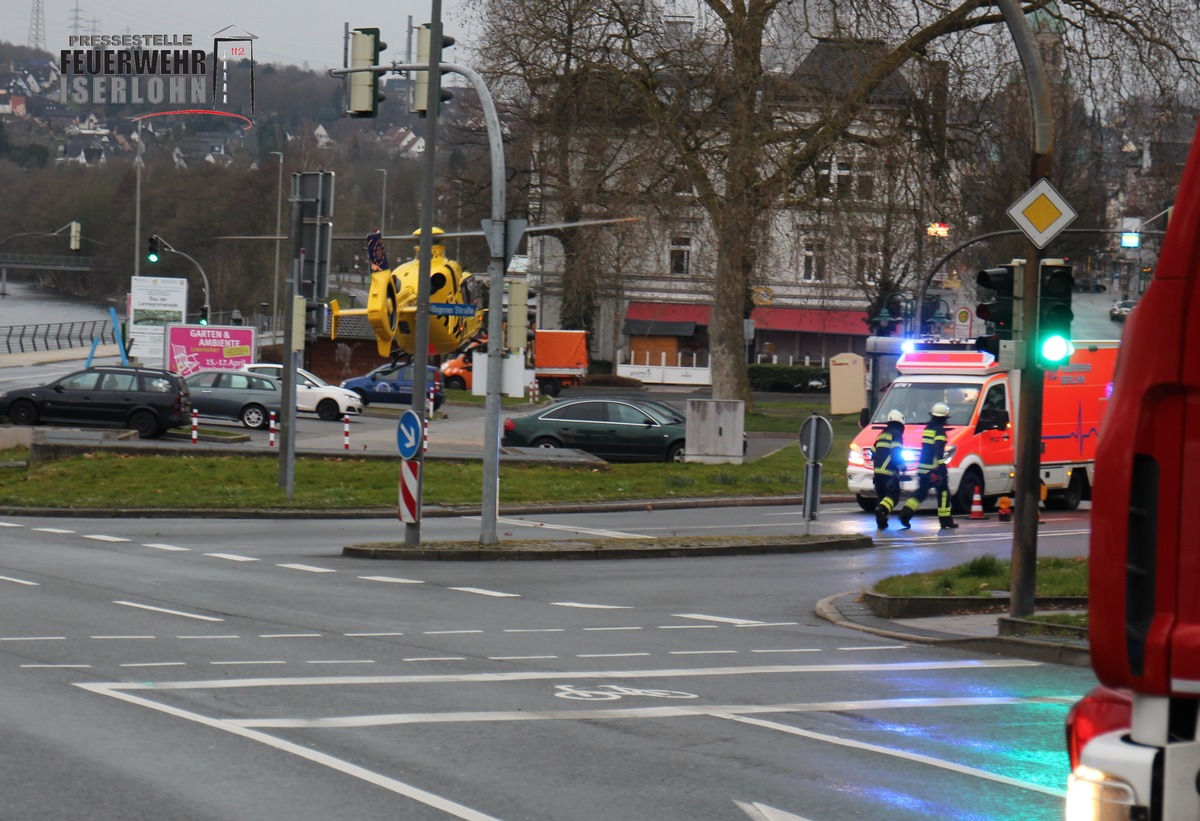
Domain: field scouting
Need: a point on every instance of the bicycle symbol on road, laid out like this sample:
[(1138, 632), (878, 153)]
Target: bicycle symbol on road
[(610, 692)]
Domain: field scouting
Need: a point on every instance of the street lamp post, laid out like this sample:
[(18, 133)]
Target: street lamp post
[(382, 200), (203, 276), (278, 217)]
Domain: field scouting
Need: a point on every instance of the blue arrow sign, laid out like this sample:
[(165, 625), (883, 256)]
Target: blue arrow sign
[(408, 434), (451, 309)]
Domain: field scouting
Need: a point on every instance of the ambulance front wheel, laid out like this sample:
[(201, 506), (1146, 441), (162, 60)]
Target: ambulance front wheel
[(867, 503), (960, 502), (1070, 498)]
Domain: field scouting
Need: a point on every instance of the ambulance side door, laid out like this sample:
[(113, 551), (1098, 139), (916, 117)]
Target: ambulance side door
[(994, 433)]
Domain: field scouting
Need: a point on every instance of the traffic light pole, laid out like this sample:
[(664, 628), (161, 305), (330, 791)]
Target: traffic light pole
[(1029, 432)]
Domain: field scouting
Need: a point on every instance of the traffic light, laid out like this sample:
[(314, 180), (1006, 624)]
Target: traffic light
[(314, 320), (420, 99), (203, 314), (76, 235), (1056, 284), (363, 93), (1001, 311), (152, 249)]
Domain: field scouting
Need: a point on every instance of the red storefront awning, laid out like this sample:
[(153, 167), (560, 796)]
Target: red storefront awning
[(800, 320)]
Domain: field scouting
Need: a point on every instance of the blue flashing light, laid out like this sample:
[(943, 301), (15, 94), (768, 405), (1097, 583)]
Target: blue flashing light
[(908, 346)]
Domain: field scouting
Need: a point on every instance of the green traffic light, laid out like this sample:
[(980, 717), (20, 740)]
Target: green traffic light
[(152, 257), (1056, 349)]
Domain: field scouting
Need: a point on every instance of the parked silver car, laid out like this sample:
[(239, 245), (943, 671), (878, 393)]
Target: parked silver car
[(244, 397), (314, 394)]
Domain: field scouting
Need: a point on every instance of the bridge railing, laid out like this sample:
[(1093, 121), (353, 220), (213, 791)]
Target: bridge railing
[(53, 336)]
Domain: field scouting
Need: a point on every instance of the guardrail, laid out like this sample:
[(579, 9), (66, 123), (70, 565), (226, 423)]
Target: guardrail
[(55, 336)]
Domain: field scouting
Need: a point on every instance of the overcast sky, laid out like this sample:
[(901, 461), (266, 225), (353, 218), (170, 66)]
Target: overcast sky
[(288, 32)]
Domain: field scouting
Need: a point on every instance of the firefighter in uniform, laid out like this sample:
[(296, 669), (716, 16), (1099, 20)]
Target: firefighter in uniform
[(931, 472), (888, 457)]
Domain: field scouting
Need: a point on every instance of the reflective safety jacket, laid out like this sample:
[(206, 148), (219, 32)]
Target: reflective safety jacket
[(888, 455), (933, 445)]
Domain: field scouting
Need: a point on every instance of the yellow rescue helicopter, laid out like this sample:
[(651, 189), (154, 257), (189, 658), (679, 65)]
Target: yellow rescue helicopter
[(392, 301)]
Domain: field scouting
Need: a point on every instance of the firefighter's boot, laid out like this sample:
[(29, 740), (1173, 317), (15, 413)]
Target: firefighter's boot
[(881, 516), (906, 515), (947, 522)]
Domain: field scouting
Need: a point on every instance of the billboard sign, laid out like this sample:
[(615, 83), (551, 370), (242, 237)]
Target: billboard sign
[(191, 348)]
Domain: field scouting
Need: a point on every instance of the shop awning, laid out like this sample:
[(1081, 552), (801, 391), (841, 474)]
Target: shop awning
[(651, 327), (799, 320)]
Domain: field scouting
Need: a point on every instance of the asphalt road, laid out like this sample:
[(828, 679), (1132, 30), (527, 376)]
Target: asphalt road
[(233, 669)]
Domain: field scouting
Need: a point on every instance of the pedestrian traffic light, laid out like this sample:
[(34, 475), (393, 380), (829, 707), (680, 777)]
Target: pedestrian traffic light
[(1056, 285), (152, 249), (425, 45), (75, 236), (203, 314), (1001, 311), (363, 95)]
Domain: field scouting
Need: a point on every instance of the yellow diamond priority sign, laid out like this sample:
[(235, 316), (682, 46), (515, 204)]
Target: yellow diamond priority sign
[(1042, 213)]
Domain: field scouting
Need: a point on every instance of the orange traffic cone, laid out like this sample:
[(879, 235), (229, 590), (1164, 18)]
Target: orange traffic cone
[(977, 505), (1004, 509)]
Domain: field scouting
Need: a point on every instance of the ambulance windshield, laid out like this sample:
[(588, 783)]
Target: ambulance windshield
[(916, 399)]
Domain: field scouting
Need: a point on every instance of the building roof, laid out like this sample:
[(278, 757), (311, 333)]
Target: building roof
[(837, 65), (662, 317)]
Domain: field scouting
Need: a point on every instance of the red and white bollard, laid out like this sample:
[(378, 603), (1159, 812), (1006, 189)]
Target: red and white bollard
[(346, 430), (195, 426), (271, 431)]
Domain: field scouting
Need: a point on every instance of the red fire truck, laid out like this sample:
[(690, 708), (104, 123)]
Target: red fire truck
[(1134, 745)]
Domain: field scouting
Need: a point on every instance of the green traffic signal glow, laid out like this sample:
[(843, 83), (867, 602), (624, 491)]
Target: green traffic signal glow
[(152, 257), (1056, 348)]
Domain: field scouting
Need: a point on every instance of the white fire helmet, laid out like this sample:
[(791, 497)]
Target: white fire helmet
[(940, 409), (896, 416)]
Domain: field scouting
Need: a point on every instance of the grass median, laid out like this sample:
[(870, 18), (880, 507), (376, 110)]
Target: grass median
[(98, 479)]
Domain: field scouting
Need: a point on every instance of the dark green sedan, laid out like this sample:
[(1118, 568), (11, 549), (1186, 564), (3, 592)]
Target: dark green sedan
[(617, 430)]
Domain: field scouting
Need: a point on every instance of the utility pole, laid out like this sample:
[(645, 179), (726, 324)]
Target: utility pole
[(1029, 415)]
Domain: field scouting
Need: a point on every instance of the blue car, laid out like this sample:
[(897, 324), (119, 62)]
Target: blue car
[(392, 384)]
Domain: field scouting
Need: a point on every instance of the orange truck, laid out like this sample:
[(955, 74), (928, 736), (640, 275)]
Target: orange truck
[(560, 360), (981, 434)]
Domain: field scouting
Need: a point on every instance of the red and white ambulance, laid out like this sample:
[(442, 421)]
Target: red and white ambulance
[(981, 433)]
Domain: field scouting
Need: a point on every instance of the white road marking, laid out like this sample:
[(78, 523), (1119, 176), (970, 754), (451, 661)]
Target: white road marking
[(340, 661), (121, 637), (19, 581), (233, 557), (208, 637), (761, 812), (768, 624), (56, 666), (877, 647), (534, 630), (606, 534), (160, 546), (156, 664), (687, 627), (496, 678), (391, 579), (608, 655), (917, 757), (518, 658), (610, 628), (52, 530), (701, 652), (168, 612), (790, 650), (450, 632), (289, 635), (591, 606), (100, 537), (692, 709), (10, 524), (721, 619), (245, 662), (398, 787), (369, 635), (308, 568), (34, 638), (483, 592), (437, 658)]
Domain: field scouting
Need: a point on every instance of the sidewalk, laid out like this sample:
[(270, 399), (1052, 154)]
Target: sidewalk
[(977, 632)]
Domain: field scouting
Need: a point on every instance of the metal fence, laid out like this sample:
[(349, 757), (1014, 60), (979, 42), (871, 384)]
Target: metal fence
[(55, 336)]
